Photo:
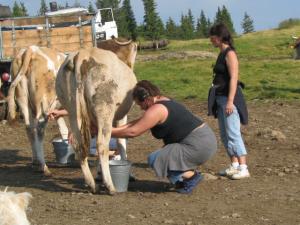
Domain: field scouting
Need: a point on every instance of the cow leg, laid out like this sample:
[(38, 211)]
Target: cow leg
[(35, 132), (102, 147), (104, 133), (22, 101), (63, 129), (121, 142), (82, 152), (88, 177)]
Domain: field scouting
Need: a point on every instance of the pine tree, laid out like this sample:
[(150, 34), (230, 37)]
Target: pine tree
[(191, 24), (23, 9), (114, 4), (209, 24), (16, 11), (183, 27), (171, 29), (227, 20), (91, 8), (153, 25), (219, 16), (247, 24), (202, 26), (43, 8), (160, 27), (187, 28), (127, 24), (140, 30), (223, 16)]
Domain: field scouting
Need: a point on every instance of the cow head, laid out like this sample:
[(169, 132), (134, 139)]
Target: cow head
[(125, 50), (296, 43)]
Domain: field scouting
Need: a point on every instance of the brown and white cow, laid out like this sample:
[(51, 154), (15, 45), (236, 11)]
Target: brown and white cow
[(126, 51), (296, 46), (95, 87), (34, 72)]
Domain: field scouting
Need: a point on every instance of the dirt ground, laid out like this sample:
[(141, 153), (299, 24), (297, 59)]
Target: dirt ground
[(270, 196)]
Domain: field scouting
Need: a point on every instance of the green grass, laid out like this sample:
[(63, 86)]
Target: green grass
[(266, 66), (271, 79), (178, 78)]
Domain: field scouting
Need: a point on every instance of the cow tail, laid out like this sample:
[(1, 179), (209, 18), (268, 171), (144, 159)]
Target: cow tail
[(11, 92), (85, 121)]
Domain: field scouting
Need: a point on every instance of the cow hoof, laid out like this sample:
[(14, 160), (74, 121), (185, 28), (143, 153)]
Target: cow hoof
[(95, 190), (46, 171), (41, 169), (112, 192)]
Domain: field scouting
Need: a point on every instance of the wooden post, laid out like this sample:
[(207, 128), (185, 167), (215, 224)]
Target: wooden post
[(94, 32), (48, 38), (13, 37), (80, 33), (1, 45)]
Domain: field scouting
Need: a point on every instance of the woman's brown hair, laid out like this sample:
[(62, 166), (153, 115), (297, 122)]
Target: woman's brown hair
[(220, 30), (144, 89)]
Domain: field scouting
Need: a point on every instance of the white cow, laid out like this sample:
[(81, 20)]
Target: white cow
[(95, 87), (34, 72), (13, 208)]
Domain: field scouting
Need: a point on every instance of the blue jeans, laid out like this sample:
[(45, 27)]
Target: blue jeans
[(230, 129), (173, 176)]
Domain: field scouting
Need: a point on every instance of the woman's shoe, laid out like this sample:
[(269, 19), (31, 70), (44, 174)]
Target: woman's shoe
[(229, 171), (190, 183), (241, 174)]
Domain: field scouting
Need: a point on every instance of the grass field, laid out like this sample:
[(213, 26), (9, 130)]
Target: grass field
[(266, 61)]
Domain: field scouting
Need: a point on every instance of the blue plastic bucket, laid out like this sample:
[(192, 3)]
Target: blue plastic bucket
[(64, 152), (120, 171)]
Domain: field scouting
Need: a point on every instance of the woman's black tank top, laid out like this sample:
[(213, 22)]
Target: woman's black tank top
[(221, 74), (178, 125)]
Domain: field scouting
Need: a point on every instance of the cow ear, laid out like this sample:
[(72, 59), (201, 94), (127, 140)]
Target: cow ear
[(22, 200)]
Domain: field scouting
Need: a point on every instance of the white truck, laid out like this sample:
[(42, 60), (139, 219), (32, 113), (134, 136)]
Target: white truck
[(66, 30)]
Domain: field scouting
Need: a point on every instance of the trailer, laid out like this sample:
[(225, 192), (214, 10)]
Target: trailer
[(66, 30)]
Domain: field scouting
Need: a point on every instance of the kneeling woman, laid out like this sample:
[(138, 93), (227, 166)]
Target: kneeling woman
[(189, 142)]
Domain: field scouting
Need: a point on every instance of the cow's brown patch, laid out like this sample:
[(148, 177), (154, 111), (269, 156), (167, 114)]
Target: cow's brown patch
[(86, 66)]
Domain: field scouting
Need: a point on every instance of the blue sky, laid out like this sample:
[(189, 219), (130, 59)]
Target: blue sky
[(266, 14)]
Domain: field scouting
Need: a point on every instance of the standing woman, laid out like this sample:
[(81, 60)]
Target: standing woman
[(230, 107), (188, 141)]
